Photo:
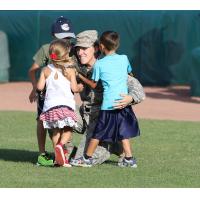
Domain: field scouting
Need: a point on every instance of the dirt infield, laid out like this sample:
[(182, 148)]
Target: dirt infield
[(173, 103)]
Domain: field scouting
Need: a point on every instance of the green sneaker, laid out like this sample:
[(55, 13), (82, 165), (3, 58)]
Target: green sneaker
[(44, 159)]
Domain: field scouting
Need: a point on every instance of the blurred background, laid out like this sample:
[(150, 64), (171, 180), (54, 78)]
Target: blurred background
[(163, 46)]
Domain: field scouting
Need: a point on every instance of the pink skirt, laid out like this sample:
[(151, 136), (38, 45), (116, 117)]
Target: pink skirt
[(59, 117)]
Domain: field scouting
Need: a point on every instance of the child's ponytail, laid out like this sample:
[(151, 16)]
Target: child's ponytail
[(59, 54)]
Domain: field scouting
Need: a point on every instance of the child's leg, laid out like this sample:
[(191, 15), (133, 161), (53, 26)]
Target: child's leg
[(41, 136), (56, 137), (66, 135), (92, 147), (60, 153), (128, 160), (127, 147), (87, 160), (44, 158)]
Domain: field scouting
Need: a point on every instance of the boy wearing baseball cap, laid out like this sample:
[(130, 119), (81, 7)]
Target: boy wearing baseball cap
[(61, 29)]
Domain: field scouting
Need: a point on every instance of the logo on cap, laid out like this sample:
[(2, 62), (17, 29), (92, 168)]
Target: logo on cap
[(65, 27)]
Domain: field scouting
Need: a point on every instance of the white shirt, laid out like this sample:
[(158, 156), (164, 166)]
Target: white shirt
[(58, 90)]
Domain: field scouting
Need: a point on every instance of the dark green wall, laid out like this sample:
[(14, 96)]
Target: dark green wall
[(158, 43)]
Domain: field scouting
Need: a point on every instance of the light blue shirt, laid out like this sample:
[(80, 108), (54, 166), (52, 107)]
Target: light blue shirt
[(113, 71)]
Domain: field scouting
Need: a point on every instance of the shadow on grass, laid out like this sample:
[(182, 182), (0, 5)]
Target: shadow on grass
[(111, 162), (17, 155)]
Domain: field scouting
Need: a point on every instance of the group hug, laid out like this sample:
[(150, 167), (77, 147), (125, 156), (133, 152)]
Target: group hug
[(88, 64)]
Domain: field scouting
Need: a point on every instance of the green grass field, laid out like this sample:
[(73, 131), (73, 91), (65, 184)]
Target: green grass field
[(167, 152)]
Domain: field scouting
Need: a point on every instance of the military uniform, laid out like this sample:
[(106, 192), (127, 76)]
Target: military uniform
[(135, 90)]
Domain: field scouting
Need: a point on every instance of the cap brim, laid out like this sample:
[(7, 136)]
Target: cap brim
[(85, 45), (64, 35)]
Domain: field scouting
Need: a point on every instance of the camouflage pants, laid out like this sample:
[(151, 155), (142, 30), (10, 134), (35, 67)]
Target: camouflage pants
[(103, 151)]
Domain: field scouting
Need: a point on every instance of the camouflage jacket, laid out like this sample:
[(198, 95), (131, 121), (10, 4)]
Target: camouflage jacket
[(135, 90), (91, 97)]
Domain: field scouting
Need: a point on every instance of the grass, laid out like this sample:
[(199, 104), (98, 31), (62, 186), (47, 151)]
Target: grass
[(167, 152)]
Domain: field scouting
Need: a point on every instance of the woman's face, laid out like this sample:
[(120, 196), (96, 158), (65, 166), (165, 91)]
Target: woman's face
[(86, 55)]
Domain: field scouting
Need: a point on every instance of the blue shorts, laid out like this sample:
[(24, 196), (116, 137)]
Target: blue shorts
[(40, 102), (116, 125)]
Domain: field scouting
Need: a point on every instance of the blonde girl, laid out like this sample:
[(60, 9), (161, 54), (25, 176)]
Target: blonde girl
[(58, 112)]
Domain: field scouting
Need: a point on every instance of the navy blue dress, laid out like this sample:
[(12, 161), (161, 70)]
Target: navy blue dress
[(116, 125)]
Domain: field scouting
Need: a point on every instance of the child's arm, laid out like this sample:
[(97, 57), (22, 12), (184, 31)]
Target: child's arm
[(31, 73), (41, 81), (72, 77), (89, 82), (41, 58)]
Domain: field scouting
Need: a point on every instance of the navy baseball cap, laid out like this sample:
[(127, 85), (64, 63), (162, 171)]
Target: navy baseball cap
[(62, 28)]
